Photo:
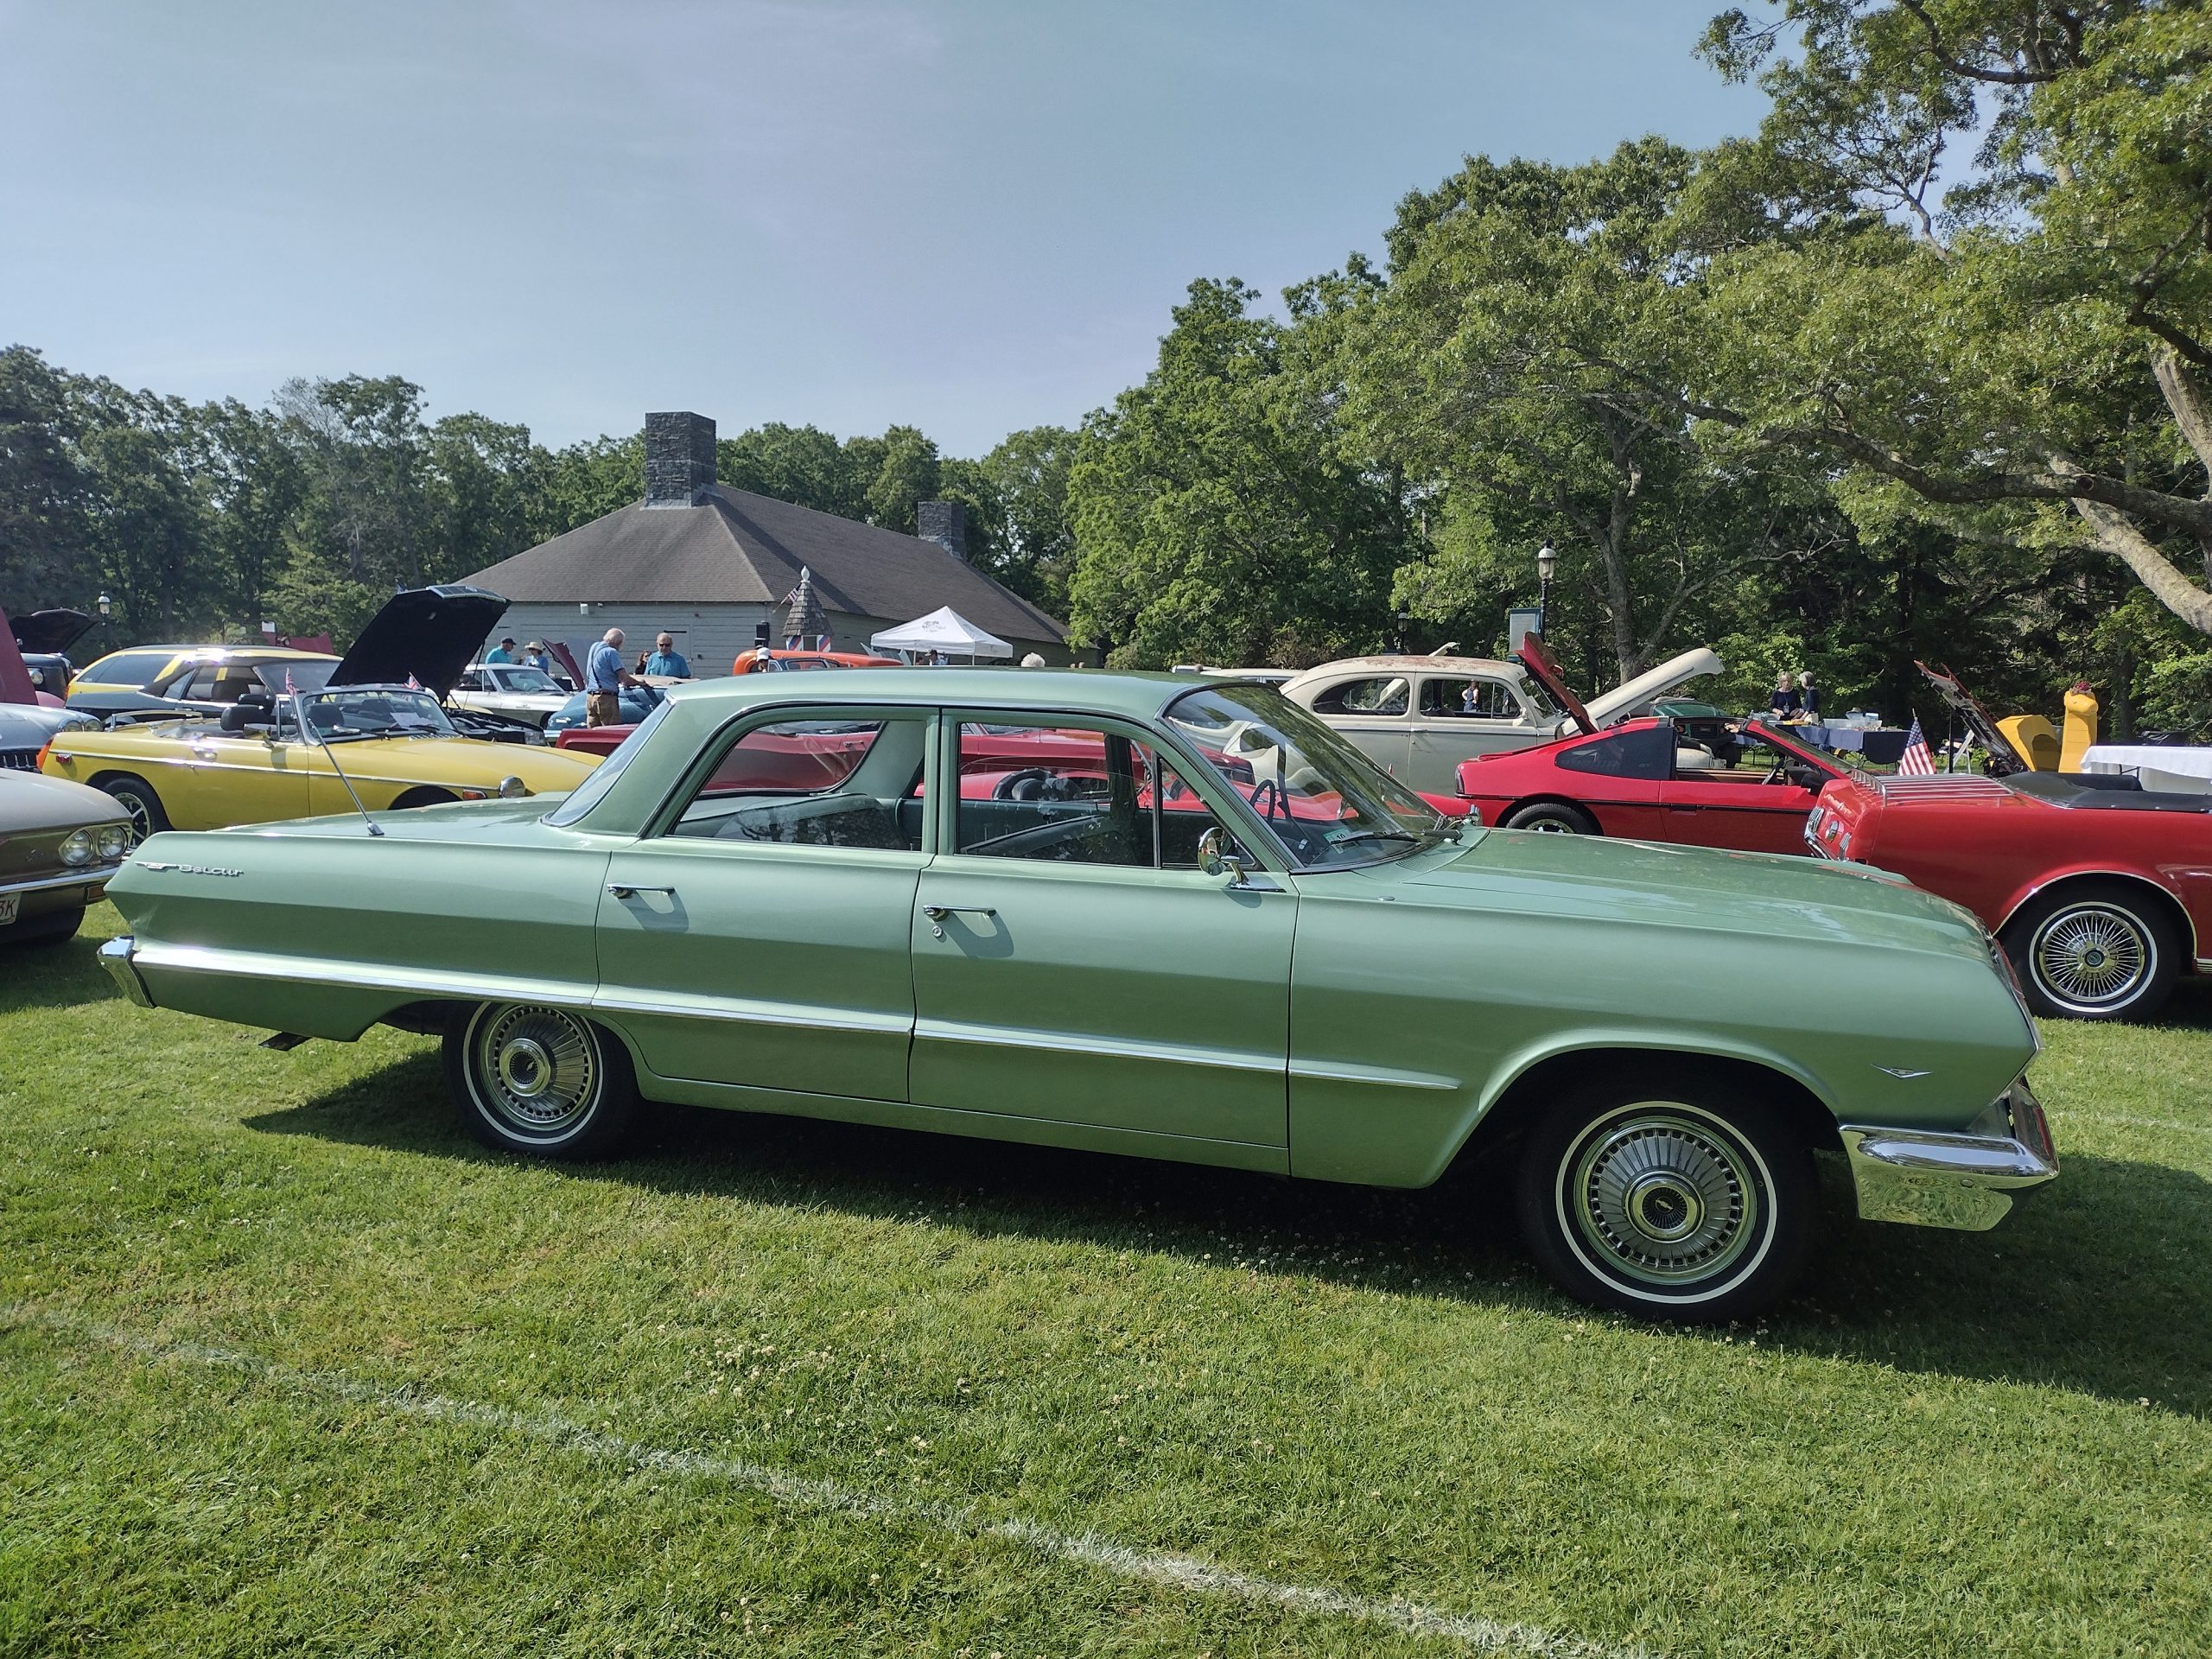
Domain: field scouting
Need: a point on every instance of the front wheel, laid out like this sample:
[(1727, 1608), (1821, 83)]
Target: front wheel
[(2097, 951), (1693, 1204), (530, 1079)]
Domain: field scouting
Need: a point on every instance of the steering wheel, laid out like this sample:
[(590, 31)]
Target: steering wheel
[(1777, 772), (1277, 806), (1028, 785)]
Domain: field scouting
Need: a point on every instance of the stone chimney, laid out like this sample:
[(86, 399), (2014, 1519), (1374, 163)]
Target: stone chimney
[(945, 523), (679, 460)]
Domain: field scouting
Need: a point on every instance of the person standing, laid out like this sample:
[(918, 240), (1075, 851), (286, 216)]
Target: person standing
[(502, 652), (1808, 700), (1784, 704), (667, 660), (604, 678)]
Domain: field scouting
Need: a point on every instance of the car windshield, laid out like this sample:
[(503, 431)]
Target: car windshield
[(532, 680), (1539, 702), (1326, 804), (349, 712)]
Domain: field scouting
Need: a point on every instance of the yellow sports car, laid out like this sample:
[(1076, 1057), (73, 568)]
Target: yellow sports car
[(316, 737)]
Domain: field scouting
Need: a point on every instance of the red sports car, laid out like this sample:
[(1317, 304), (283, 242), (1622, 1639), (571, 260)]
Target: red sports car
[(1697, 781), (2100, 891)]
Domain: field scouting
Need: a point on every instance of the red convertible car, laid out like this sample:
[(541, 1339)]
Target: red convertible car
[(2100, 891), (1698, 781)]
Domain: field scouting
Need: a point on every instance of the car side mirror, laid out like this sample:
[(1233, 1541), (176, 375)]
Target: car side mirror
[(1216, 859)]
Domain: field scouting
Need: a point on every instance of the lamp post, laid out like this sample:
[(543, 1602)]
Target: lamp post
[(1546, 561)]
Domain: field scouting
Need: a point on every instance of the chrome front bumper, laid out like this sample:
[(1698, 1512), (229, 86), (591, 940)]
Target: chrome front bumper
[(1965, 1181), (114, 956)]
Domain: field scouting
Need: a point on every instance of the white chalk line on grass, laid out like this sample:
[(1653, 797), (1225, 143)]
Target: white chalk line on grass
[(1167, 1568)]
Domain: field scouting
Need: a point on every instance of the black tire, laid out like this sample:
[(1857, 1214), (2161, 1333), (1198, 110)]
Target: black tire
[(1554, 818), (539, 1080), (139, 798), (1693, 1204), (52, 928), (2094, 951)]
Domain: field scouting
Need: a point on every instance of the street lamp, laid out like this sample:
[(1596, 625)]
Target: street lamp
[(1546, 561)]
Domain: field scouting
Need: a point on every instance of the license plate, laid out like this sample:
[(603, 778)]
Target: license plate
[(9, 904)]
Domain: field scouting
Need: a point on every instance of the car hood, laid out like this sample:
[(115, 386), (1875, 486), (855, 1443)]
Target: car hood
[(1693, 887), (1637, 695), (49, 633), (425, 634), (30, 803), (24, 725)]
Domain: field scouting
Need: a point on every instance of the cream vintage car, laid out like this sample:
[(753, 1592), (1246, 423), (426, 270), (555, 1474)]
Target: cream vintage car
[(1419, 717)]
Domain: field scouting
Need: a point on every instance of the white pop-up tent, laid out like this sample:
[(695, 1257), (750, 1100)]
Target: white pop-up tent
[(943, 630)]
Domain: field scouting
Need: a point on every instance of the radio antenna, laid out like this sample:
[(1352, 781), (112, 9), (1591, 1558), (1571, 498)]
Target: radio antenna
[(300, 714)]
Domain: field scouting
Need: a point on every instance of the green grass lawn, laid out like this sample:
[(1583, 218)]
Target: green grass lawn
[(289, 1364)]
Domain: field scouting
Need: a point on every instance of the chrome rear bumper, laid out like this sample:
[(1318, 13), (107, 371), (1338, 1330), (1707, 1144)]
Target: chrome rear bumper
[(1965, 1181), (114, 956)]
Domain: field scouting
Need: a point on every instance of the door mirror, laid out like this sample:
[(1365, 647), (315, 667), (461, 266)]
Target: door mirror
[(1215, 858)]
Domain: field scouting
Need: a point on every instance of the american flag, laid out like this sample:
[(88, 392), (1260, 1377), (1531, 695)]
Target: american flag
[(1916, 762), (289, 687)]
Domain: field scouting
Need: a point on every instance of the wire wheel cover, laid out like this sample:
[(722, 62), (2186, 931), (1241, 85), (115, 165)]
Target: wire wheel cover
[(1663, 1198), (535, 1068), (2092, 957)]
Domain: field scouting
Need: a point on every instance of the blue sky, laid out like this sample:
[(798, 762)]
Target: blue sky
[(970, 216)]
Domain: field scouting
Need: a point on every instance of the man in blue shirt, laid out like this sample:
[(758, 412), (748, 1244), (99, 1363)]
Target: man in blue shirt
[(667, 660), (604, 678), (502, 652)]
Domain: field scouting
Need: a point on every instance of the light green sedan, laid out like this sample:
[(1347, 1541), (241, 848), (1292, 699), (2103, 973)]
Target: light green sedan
[(1148, 914)]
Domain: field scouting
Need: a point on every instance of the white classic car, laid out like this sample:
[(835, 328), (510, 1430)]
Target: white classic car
[(1419, 717), (514, 690)]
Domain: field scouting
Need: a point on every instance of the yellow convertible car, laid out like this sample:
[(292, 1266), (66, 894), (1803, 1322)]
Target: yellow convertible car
[(319, 737)]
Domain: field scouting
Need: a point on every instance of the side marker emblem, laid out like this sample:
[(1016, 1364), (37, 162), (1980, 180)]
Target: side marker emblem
[(1903, 1074)]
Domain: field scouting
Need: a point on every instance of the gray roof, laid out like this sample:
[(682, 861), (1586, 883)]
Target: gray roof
[(739, 548)]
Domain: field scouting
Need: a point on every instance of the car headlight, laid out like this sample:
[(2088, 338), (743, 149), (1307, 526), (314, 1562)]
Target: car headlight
[(115, 841), (78, 847), (511, 787)]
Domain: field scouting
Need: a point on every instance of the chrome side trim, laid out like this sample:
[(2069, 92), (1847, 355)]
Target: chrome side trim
[(947, 1031), (1383, 1077), (114, 956), (478, 987), (1927, 1178), (91, 876), (2205, 964)]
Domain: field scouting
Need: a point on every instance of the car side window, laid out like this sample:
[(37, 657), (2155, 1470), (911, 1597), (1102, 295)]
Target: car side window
[(1469, 699), (470, 680), (815, 783), (130, 668), (1384, 696), (1645, 753), (1074, 794)]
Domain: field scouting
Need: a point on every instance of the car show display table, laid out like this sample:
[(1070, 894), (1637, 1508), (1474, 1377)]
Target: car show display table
[(2189, 762)]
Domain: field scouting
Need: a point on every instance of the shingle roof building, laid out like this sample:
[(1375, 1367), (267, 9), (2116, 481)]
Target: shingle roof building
[(708, 562)]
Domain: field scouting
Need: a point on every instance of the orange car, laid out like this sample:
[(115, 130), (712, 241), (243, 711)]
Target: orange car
[(762, 660)]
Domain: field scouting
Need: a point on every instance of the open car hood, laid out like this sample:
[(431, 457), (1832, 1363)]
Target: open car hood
[(1977, 718), (425, 634), (48, 632), (1636, 696)]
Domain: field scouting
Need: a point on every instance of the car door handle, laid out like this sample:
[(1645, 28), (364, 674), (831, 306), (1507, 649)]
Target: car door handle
[(937, 914), (624, 890)]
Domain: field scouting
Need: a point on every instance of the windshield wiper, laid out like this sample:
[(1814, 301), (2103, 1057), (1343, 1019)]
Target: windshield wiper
[(1376, 835)]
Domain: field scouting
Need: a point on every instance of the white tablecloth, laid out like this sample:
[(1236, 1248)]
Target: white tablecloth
[(2122, 757)]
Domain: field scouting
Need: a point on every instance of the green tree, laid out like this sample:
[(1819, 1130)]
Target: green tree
[(800, 464), (588, 480), (2012, 334), (1218, 512), (906, 471), (42, 486), (1517, 363)]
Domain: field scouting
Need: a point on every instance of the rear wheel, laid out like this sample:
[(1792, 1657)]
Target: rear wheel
[(2100, 951), (1692, 1204), (1552, 818), (530, 1079), (140, 801)]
